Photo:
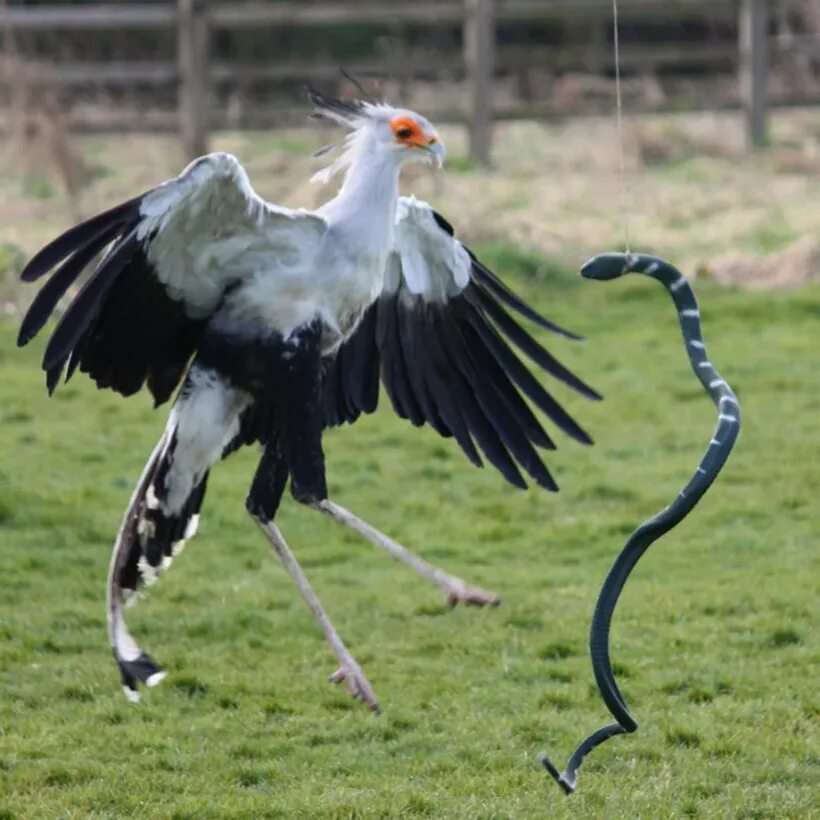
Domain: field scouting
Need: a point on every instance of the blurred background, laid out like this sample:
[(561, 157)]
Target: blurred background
[(524, 90)]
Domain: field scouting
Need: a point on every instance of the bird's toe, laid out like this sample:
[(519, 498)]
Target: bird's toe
[(471, 596), (358, 685)]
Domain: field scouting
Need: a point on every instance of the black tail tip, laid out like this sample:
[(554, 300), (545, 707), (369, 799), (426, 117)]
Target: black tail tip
[(144, 669)]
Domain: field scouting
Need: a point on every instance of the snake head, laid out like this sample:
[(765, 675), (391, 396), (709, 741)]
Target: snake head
[(607, 266)]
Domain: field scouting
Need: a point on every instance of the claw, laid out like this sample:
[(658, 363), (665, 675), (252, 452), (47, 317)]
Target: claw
[(358, 685), (471, 596)]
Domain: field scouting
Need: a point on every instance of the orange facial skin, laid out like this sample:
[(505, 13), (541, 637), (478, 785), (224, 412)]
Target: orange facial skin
[(408, 132)]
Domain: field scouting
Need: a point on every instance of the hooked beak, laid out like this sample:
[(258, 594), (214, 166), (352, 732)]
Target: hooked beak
[(437, 152)]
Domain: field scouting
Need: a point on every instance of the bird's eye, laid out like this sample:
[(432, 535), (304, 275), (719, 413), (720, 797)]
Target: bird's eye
[(404, 133)]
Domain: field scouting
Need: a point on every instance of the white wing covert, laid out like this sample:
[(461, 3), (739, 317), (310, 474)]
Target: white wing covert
[(172, 255), (438, 339)]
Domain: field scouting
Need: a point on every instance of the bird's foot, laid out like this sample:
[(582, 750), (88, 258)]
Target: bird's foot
[(460, 593), (358, 685)]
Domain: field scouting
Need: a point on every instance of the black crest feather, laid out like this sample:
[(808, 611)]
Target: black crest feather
[(344, 111)]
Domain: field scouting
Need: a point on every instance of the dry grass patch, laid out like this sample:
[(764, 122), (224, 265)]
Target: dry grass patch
[(693, 194)]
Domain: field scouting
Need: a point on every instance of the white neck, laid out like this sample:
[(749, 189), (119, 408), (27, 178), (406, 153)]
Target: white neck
[(366, 202)]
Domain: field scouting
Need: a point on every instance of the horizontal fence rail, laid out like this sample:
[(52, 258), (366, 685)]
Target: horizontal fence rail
[(197, 78), (249, 13)]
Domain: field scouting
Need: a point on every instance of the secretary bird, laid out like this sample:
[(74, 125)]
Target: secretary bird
[(279, 323)]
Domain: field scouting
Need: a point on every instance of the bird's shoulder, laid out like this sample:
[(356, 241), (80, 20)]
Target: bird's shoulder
[(427, 259), (214, 193), (208, 229)]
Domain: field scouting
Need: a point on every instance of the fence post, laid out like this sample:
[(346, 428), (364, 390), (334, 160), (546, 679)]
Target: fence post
[(753, 30), (479, 60), (193, 66)]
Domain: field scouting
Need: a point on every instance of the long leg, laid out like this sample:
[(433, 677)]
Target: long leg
[(302, 444), (263, 501), (295, 449), (349, 670), (457, 590)]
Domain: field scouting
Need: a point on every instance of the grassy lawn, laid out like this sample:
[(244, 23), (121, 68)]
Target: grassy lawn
[(713, 639)]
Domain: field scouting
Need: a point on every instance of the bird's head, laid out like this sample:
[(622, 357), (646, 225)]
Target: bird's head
[(397, 132)]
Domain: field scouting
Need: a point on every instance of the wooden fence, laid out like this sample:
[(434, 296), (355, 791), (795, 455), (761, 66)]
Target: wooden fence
[(196, 22)]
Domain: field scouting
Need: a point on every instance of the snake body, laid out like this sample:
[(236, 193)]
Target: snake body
[(613, 266)]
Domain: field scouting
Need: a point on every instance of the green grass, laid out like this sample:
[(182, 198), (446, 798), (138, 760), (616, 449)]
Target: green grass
[(713, 640)]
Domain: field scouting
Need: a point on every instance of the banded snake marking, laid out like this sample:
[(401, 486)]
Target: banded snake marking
[(612, 266)]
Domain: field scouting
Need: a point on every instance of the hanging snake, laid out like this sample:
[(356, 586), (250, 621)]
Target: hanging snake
[(612, 266)]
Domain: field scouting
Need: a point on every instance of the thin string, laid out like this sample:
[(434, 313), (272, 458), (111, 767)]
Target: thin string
[(624, 191)]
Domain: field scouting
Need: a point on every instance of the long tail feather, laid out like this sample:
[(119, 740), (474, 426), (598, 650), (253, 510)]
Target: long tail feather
[(146, 544), (135, 665)]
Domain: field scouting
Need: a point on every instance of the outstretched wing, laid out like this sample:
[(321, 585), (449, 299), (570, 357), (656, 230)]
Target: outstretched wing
[(171, 255), (439, 338)]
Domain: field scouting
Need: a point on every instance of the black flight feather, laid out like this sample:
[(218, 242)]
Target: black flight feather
[(496, 408), (350, 377), (82, 311), (491, 282), (411, 338), (60, 281), (478, 424), (360, 357), (393, 369), (449, 388), (526, 382), (494, 371), (521, 339), (140, 335), (58, 249), (334, 415)]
